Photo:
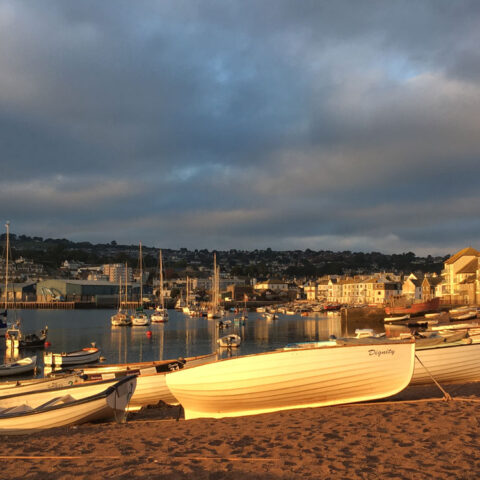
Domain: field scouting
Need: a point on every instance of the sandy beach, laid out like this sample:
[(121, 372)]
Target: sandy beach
[(413, 435)]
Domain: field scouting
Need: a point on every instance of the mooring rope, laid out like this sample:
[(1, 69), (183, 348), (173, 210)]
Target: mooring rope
[(446, 395)]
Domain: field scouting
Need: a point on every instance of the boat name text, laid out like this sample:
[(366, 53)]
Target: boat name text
[(379, 353)]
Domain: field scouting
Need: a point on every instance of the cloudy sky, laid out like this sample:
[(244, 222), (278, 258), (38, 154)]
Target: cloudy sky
[(340, 125)]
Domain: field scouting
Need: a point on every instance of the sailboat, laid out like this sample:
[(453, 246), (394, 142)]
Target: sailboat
[(4, 314), (13, 342), (121, 318), (140, 318), (187, 307), (214, 311), (160, 315)]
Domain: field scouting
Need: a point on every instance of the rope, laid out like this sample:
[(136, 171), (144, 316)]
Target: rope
[(447, 396)]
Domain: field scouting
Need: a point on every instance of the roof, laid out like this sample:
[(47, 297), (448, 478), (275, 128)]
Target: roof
[(417, 282), (433, 281), (468, 251), (470, 267)]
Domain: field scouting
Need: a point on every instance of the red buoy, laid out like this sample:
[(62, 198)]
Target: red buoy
[(149, 333), (47, 344)]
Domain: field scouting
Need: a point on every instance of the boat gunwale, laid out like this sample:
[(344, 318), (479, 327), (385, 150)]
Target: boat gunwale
[(281, 350), (65, 387)]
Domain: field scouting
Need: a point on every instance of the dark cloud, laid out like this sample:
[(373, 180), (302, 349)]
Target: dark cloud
[(226, 124)]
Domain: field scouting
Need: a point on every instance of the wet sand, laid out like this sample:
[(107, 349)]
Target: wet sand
[(414, 435)]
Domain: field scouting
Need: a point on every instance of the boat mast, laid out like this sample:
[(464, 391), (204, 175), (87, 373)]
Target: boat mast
[(7, 225), (215, 283), (141, 277), (162, 301), (120, 292), (126, 286)]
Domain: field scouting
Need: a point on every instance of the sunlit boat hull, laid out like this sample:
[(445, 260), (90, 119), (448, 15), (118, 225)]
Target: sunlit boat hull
[(86, 355), (24, 365), (287, 379), (447, 363), (151, 384), (30, 414)]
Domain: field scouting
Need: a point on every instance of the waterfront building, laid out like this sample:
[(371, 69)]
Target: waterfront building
[(273, 284), (82, 290), (461, 277), (412, 287), (20, 292), (115, 271), (362, 290)]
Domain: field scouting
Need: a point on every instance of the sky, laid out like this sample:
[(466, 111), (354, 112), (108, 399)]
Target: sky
[(329, 125)]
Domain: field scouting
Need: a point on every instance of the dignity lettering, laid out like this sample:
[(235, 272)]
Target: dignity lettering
[(379, 353)]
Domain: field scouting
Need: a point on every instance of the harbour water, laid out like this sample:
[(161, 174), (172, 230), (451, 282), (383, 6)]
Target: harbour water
[(181, 336)]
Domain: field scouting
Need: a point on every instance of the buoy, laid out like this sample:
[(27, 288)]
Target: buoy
[(47, 344), (149, 333)]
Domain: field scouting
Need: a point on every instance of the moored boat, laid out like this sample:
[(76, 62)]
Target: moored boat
[(294, 378), (78, 357), (16, 339), (467, 315), (401, 318), (19, 367), (230, 341), (415, 308)]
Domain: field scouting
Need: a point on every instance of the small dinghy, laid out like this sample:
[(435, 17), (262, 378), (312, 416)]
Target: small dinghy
[(79, 357), (229, 341), (397, 319), (16, 339), (24, 365), (33, 412)]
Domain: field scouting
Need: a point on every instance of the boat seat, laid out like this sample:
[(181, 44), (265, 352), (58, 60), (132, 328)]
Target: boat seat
[(17, 409), (57, 401)]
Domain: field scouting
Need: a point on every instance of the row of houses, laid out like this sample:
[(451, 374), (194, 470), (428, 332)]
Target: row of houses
[(458, 283)]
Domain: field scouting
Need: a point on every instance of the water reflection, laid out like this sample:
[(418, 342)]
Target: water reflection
[(181, 336)]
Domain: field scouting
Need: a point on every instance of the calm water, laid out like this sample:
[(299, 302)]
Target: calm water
[(70, 330)]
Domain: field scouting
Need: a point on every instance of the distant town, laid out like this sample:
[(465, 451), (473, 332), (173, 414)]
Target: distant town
[(59, 270)]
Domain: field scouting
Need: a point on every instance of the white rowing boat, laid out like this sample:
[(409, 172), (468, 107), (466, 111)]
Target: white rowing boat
[(32, 412), (151, 384), (401, 318), (79, 357), (448, 363), (294, 378), (229, 341), (24, 365)]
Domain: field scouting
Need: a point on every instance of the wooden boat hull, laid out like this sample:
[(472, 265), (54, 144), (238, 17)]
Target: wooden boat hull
[(448, 363), (416, 308), (108, 403), (87, 355), (35, 384), (298, 378), (151, 384)]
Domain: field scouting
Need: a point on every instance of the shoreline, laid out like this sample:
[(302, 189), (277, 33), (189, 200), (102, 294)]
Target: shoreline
[(413, 435)]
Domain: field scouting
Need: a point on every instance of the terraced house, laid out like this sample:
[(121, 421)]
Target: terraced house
[(461, 278)]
